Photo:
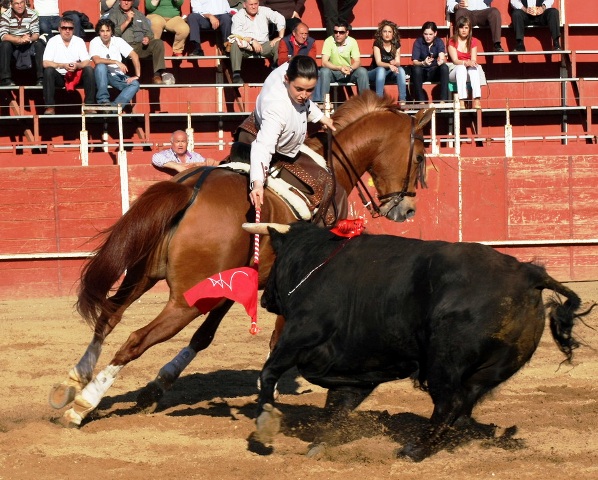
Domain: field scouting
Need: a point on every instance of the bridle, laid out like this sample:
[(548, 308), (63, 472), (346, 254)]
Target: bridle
[(391, 199)]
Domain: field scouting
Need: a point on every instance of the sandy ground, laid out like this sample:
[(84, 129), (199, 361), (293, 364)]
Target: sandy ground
[(202, 428)]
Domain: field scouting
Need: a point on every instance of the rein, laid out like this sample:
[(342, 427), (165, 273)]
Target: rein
[(369, 203)]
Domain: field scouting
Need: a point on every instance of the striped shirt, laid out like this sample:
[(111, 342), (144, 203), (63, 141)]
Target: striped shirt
[(13, 25)]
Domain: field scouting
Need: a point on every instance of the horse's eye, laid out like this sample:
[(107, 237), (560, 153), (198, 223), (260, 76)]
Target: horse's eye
[(419, 158)]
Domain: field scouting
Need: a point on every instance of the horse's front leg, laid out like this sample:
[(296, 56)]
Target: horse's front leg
[(150, 396), (166, 325)]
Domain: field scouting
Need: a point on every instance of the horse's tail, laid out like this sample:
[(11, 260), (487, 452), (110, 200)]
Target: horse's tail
[(563, 315), (131, 240)]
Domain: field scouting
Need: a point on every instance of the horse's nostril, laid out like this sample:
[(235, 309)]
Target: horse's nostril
[(410, 213)]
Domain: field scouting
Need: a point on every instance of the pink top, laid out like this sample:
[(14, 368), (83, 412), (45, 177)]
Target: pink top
[(464, 55)]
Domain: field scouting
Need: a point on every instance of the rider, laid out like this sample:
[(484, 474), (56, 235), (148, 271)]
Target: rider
[(282, 110)]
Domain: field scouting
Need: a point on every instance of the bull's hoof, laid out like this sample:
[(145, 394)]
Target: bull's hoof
[(268, 424), (316, 450), (416, 453), (149, 398), (61, 395)]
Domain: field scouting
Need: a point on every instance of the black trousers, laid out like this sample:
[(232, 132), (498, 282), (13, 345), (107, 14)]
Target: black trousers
[(54, 80), (336, 10), (6, 58)]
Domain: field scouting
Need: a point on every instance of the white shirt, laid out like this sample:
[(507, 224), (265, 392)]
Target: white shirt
[(57, 51), (257, 28), (213, 7), (117, 49), (518, 5), (282, 123), (47, 8), (472, 5)]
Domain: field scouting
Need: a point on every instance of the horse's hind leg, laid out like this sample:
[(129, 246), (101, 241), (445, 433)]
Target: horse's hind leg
[(150, 395), (166, 325), (81, 374)]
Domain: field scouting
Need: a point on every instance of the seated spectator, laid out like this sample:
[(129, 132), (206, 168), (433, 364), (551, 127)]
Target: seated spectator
[(289, 9), (429, 63), (178, 157), (19, 41), (333, 13), (250, 32), (67, 63), (386, 65), (208, 15), (49, 19), (463, 49), (108, 52), (106, 6), (134, 27), (479, 13), (166, 15), (539, 14), (341, 62), (296, 43)]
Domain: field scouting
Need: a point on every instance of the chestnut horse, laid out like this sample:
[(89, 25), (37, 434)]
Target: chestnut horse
[(183, 234)]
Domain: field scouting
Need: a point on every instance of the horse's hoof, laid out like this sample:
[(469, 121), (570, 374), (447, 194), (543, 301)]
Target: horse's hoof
[(61, 395), (413, 452), (268, 424), (149, 398), (70, 419), (316, 450)]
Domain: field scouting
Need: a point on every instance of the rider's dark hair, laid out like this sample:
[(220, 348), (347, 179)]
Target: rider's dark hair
[(107, 22), (302, 66)]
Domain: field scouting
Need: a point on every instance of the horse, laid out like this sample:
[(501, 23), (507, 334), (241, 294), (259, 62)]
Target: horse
[(185, 230)]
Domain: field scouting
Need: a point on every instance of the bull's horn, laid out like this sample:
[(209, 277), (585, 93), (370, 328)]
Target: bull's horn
[(262, 228)]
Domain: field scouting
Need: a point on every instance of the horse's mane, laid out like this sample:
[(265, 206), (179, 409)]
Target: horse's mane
[(354, 109)]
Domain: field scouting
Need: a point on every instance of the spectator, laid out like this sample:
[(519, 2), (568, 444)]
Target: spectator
[(386, 65), (296, 43), (429, 63), (107, 52), (540, 14), (334, 14), (66, 63), (250, 29), (19, 39), (134, 27), (166, 15), (208, 15), (178, 157), (290, 9), (106, 6), (282, 111), (463, 49), (479, 13), (341, 62), (49, 19)]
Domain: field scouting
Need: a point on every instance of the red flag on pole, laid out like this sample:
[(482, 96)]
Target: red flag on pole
[(238, 284)]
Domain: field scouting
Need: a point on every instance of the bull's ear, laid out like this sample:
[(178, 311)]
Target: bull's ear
[(423, 117)]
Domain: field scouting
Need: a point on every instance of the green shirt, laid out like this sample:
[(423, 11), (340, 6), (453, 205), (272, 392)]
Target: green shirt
[(165, 8), (341, 55)]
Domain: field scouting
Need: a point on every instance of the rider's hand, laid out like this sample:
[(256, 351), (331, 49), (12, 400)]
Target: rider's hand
[(257, 194)]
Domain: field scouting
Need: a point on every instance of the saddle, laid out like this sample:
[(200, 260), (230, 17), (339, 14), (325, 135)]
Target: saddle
[(308, 178)]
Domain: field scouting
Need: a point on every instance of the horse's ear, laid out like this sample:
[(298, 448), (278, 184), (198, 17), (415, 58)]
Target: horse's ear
[(423, 117)]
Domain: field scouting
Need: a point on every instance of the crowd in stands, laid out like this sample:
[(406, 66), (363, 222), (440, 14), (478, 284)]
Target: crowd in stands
[(272, 29)]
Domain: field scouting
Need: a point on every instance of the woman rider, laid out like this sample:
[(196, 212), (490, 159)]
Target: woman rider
[(282, 111)]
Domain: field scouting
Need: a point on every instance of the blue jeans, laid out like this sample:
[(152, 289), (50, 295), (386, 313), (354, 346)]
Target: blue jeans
[(381, 76), (326, 76), (104, 78)]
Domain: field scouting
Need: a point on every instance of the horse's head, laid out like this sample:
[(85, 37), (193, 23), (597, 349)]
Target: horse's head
[(401, 167), (374, 136)]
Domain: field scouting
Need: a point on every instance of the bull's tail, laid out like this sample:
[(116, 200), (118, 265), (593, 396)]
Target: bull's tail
[(563, 315), (129, 242)]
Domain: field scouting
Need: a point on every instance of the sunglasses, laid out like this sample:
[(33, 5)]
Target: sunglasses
[(67, 28), (340, 32)]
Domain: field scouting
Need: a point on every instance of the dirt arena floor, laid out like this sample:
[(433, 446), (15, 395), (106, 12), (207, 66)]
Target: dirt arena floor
[(201, 430)]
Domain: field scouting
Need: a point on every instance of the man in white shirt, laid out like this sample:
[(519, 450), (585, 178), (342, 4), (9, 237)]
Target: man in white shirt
[(66, 63), (107, 52), (49, 18), (208, 15), (479, 12), (535, 12), (282, 111), (250, 29)]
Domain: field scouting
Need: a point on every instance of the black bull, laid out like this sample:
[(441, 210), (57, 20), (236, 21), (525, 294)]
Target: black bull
[(459, 318)]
